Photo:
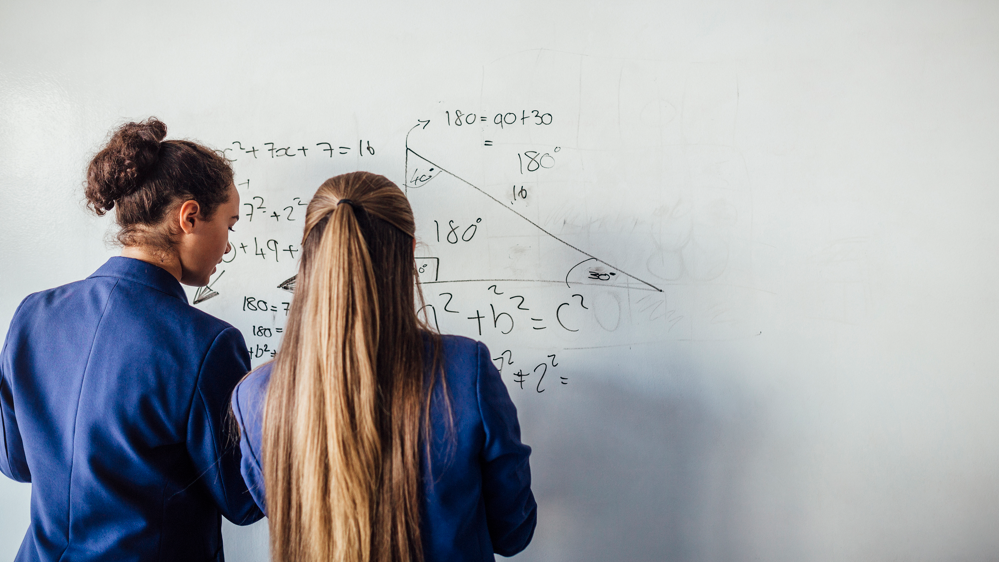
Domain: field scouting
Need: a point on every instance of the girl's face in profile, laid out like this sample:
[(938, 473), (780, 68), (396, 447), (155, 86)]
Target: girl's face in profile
[(207, 242)]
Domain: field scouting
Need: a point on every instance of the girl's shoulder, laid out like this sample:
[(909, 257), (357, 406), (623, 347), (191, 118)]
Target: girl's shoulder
[(459, 346), (461, 355), (465, 364), (248, 397)]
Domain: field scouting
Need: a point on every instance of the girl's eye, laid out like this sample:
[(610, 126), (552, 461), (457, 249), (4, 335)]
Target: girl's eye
[(231, 230)]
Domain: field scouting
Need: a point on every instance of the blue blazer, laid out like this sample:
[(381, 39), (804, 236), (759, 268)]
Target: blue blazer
[(114, 395), (477, 495)]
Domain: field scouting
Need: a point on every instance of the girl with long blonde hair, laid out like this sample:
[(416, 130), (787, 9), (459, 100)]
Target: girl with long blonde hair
[(369, 437)]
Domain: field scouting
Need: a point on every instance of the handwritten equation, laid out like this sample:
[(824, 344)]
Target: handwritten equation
[(274, 150), (537, 373), (460, 118), (504, 314)]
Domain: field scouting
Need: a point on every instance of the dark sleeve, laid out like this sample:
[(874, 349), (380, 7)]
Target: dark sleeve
[(511, 512), (247, 413), (13, 463), (210, 442)]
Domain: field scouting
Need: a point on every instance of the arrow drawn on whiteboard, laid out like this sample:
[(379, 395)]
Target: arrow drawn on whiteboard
[(425, 171), (206, 292), (288, 284)]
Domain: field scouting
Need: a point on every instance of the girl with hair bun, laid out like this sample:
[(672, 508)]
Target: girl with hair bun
[(114, 390), (369, 437)]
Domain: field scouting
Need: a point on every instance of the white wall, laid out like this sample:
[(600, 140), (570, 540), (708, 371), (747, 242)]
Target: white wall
[(810, 185)]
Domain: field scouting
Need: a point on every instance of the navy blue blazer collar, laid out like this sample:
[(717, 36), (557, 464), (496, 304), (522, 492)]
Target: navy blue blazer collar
[(144, 273)]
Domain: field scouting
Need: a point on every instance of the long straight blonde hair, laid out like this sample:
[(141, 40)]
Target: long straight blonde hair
[(349, 396)]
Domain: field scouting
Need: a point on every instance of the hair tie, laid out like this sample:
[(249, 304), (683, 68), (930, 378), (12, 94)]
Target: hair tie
[(353, 205)]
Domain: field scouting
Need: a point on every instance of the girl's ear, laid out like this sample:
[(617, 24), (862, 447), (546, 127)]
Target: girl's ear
[(187, 216)]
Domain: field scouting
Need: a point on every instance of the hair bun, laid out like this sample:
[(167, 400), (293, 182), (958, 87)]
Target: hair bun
[(120, 167)]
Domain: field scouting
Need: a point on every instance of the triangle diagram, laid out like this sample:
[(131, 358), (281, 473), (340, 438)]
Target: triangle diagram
[(482, 237), (516, 248)]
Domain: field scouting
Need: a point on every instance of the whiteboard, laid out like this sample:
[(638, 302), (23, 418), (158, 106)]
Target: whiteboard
[(736, 263)]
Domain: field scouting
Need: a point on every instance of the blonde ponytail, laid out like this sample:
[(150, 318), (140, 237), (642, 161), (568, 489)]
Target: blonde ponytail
[(342, 419)]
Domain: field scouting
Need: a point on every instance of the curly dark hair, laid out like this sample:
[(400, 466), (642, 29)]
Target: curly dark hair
[(143, 175)]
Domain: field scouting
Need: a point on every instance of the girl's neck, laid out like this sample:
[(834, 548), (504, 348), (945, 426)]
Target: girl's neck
[(156, 256)]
